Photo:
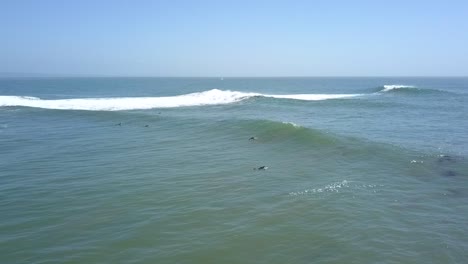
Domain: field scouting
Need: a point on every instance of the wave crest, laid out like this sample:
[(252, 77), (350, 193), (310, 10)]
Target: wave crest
[(392, 87), (210, 97)]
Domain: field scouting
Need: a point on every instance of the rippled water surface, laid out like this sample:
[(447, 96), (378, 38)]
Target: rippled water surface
[(169, 170)]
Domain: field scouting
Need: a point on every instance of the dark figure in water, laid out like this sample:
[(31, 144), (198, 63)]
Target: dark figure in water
[(445, 158), (146, 125), (253, 138), (119, 124), (261, 168)]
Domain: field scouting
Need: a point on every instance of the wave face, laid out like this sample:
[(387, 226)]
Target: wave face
[(313, 97), (393, 87), (288, 132), (211, 97), (409, 89)]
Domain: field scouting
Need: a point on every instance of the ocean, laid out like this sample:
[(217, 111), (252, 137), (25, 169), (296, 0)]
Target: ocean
[(234, 170)]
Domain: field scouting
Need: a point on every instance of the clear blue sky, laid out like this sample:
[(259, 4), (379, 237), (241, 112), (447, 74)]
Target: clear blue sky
[(235, 38)]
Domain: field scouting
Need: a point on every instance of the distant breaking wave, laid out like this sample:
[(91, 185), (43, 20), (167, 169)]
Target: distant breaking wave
[(387, 88), (211, 97), (408, 89)]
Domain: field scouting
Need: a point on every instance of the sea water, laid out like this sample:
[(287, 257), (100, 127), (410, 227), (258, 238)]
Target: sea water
[(161, 170)]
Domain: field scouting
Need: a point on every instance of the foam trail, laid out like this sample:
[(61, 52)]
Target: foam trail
[(211, 97)]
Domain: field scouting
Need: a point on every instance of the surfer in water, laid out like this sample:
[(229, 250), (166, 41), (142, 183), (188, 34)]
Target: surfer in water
[(261, 168)]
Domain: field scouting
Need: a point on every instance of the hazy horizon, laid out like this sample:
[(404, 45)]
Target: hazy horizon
[(46, 75)]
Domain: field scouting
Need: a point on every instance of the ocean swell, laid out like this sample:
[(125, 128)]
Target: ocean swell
[(210, 97)]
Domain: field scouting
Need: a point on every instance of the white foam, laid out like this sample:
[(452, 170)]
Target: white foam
[(292, 124), (337, 187), (211, 97), (395, 86), (333, 187)]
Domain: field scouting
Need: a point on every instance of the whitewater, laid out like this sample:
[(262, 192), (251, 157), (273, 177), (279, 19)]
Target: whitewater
[(210, 97)]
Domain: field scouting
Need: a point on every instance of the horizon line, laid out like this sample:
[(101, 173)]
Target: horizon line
[(44, 75)]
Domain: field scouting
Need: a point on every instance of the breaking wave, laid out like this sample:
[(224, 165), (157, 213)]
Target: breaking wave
[(409, 89), (393, 87), (210, 97)]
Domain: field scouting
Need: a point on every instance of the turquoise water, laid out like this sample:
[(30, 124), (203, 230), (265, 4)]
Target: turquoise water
[(161, 170)]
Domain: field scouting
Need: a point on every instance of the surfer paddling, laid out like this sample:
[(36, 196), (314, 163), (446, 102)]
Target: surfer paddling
[(261, 168)]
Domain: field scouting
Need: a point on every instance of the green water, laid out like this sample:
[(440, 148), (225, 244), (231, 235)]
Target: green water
[(376, 178)]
